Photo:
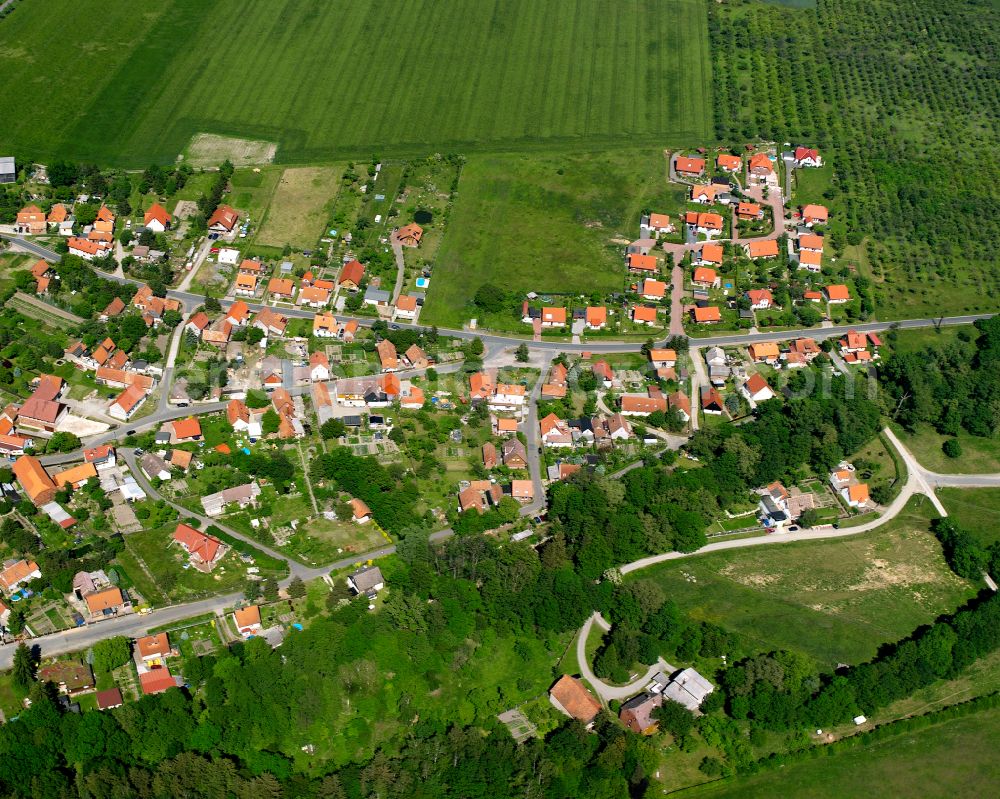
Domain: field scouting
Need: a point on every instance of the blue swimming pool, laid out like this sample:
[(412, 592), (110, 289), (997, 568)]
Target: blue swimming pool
[(423, 282)]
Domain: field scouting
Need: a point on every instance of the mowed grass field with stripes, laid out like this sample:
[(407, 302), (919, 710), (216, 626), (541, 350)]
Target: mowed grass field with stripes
[(128, 84)]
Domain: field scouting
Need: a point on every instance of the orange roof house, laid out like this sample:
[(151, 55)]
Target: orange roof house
[(21, 572), (571, 697), (811, 260), (187, 429), (105, 600), (764, 351), (387, 355), (643, 315), (689, 166), (748, 211), (703, 276), (281, 287), (35, 481), (153, 647), (811, 241), (553, 317), (157, 217), (351, 275), (246, 284), (814, 214), (239, 313), (76, 476), (596, 316), (314, 296), (39, 269), (729, 163), (223, 219), (710, 254), (653, 289), (31, 219), (760, 164), (709, 222), (638, 405), (641, 263), (837, 293), (156, 681), (205, 549), (704, 193), (707, 315), (247, 619), (410, 235), (767, 248), (58, 213), (84, 248)]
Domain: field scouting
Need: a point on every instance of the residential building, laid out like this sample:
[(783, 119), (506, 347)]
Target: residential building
[(680, 402), (703, 193), (351, 275), (760, 165), (688, 688), (641, 263), (314, 296), (553, 317), (571, 697), (125, 405), (204, 550), (652, 289), (406, 307), (223, 219), (810, 260), (807, 157), (17, 573), (410, 235), (729, 163), (837, 294), (763, 248), (756, 389), (387, 355), (515, 456), (596, 317), (641, 404), (814, 215), (644, 315), (711, 401), (185, 430), (107, 602), (489, 455), (281, 288), (153, 650), (156, 681), (707, 315), (765, 352), (416, 357), (34, 480), (522, 490), (705, 277), (662, 358), (637, 713), (688, 166), (30, 219), (366, 580), (760, 299), (156, 218), (248, 621), (656, 224)]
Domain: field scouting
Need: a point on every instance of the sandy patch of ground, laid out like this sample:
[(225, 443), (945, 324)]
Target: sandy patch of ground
[(185, 209), (207, 149), (880, 574), (81, 427), (737, 575)]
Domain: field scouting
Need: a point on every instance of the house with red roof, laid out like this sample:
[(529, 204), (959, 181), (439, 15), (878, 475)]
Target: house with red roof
[(203, 550), (156, 218), (807, 157), (596, 317), (729, 163), (814, 215), (760, 299), (837, 294), (760, 165), (762, 248), (756, 389), (223, 219), (688, 166), (351, 275)]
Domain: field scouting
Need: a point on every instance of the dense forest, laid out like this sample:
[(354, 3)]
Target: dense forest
[(952, 387), (903, 100)]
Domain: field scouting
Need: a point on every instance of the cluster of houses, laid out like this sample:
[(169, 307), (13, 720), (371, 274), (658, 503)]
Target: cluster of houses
[(687, 688), (40, 414), (114, 368)]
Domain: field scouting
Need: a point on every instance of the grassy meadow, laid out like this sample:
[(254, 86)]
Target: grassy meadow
[(974, 509), (328, 78), (835, 600), (955, 757), (553, 223)]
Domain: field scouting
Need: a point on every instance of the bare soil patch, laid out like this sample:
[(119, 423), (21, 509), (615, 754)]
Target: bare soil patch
[(207, 149)]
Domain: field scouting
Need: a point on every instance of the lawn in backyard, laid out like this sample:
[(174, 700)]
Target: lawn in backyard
[(413, 77), (955, 757), (554, 223), (165, 561), (835, 600), (300, 206)]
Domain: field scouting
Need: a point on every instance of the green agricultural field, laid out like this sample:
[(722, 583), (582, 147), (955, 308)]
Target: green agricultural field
[(952, 758), (552, 223), (323, 79), (836, 600)]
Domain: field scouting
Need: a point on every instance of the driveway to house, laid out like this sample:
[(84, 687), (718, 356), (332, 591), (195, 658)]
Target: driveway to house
[(605, 691), (199, 259), (168, 370), (530, 429), (677, 297), (397, 251)]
